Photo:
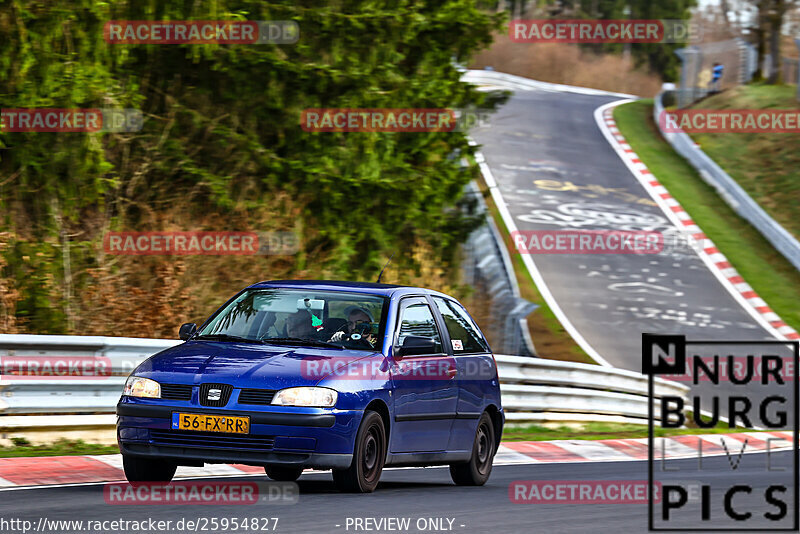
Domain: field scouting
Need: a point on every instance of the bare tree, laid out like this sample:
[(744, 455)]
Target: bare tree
[(725, 10), (767, 29), (774, 24)]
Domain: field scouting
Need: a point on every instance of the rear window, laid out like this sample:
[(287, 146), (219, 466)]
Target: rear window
[(464, 335)]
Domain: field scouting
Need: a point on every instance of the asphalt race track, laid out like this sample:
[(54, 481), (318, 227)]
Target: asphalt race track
[(429, 493), (556, 171)]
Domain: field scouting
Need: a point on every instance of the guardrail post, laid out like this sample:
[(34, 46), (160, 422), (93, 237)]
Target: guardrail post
[(690, 59), (797, 43), (3, 404)]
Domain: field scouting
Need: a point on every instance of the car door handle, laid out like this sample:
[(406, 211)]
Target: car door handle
[(452, 372)]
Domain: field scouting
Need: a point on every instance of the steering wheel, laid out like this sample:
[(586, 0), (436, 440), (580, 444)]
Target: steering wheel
[(360, 333)]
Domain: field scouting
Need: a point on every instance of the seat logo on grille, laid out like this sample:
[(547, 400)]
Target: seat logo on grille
[(214, 394)]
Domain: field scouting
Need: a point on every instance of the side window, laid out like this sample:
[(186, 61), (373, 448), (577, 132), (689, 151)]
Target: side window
[(416, 319), (464, 335)]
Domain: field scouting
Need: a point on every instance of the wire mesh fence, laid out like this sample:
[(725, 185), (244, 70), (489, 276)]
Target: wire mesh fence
[(789, 70), (738, 59)]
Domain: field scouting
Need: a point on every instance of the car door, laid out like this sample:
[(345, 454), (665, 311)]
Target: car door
[(425, 397), (476, 371)]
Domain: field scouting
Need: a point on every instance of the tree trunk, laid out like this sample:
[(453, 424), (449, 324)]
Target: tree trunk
[(775, 23), (725, 10), (761, 45)]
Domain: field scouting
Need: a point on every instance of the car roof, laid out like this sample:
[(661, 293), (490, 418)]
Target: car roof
[(386, 290)]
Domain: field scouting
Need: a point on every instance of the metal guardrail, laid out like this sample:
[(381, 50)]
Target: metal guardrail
[(60, 396), (729, 190), (112, 358), (555, 400), (549, 390), (511, 81), (519, 370), (487, 265), (125, 353), (533, 389)]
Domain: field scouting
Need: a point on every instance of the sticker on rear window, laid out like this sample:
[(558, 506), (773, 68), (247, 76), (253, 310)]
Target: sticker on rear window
[(457, 345)]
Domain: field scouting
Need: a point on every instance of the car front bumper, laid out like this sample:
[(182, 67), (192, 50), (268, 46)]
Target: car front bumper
[(309, 438)]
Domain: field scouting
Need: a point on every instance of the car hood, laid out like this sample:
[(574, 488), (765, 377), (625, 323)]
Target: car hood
[(244, 364)]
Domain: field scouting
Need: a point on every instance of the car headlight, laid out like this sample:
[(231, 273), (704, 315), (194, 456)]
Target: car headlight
[(136, 386), (306, 396)]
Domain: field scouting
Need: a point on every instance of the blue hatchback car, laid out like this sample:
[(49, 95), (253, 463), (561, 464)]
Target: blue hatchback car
[(345, 376)]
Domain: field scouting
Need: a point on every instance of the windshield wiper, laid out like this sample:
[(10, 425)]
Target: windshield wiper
[(227, 337), (300, 341)]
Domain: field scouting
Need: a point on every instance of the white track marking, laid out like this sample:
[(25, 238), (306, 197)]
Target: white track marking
[(541, 285), (676, 218)]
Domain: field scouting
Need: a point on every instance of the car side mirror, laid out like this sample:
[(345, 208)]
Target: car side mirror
[(416, 346), (187, 330)]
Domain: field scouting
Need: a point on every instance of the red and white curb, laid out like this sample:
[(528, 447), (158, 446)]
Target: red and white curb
[(621, 450), (17, 473), (716, 261)]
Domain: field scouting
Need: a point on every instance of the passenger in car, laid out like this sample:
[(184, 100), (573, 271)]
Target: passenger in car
[(299, 325)]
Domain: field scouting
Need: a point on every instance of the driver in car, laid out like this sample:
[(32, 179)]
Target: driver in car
[(356, 328)]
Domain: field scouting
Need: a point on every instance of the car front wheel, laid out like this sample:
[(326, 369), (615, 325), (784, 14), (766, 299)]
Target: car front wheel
[(368, 457), (282, 473), (476, 471), (139, 469)]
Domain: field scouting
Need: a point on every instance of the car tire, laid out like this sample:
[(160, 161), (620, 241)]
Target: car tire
[(139, 469), (369, 457), (476, 471), (283, 473)]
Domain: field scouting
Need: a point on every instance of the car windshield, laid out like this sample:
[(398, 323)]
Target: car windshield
[(300, 317)]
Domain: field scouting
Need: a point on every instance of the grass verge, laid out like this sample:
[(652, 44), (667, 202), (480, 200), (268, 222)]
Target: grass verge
[(61, 447), (552, 341), (592, 431), (766, 270), (766, 165)]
